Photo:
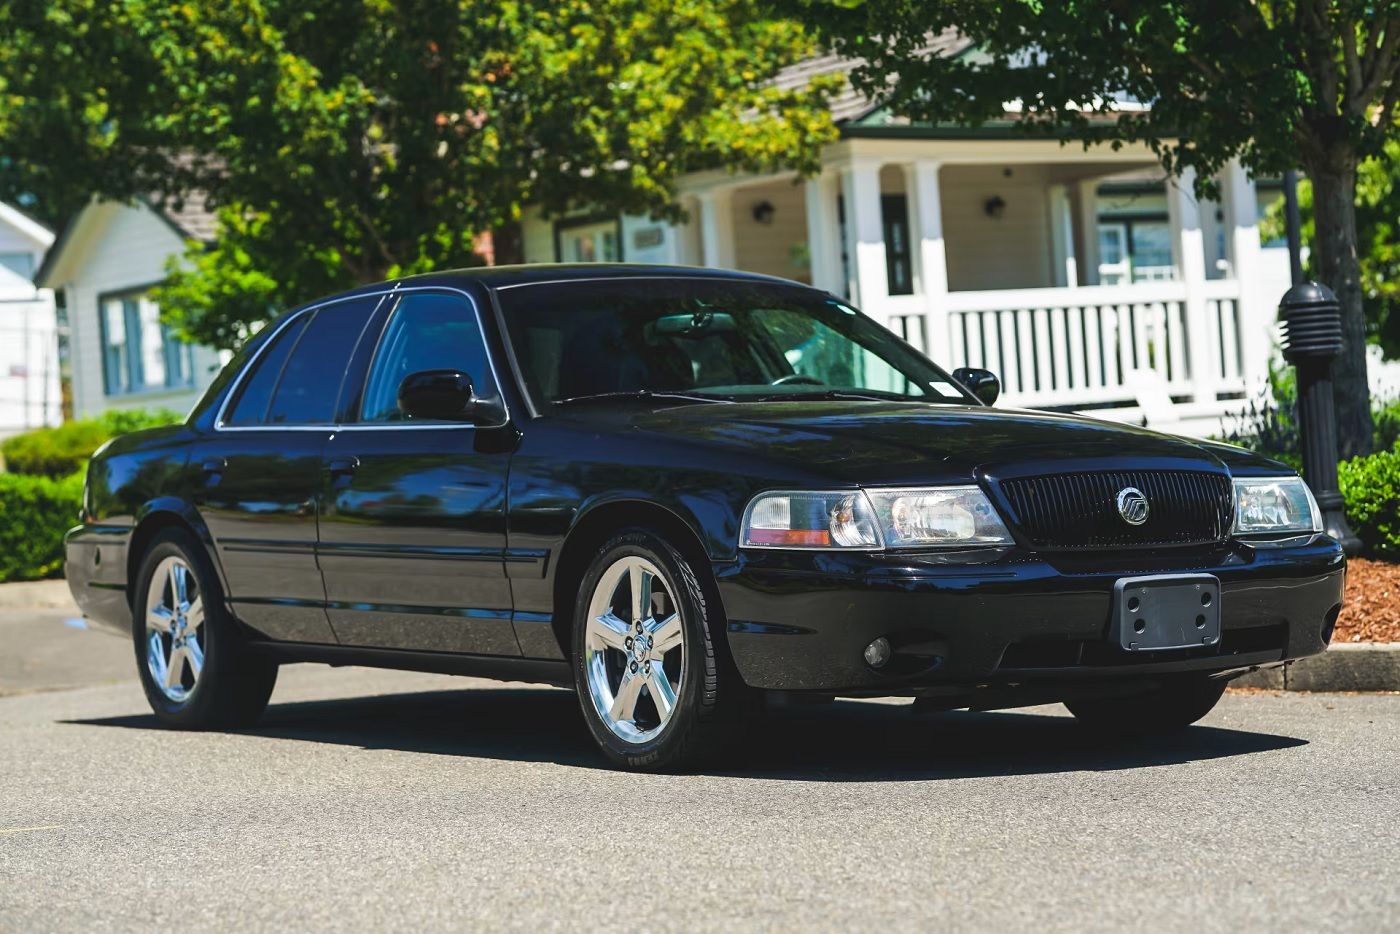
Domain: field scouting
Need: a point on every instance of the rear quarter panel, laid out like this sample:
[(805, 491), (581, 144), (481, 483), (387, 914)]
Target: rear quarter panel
[(130, 480)]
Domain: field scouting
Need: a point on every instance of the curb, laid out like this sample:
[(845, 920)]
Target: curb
[(1346, 666)]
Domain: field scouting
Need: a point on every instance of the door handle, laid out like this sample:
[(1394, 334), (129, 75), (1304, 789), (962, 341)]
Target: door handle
[(342, 466), (214, 465)]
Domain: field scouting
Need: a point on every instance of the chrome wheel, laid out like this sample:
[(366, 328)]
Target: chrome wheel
[(174, 629), (634, 650)]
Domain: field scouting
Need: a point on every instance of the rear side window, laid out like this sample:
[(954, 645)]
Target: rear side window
[(428, 331), (250, 408), (307, 391)]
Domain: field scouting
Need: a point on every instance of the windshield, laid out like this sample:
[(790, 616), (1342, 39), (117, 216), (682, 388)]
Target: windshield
[(708, 339)]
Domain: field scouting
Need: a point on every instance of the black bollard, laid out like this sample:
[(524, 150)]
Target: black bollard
[(1312, 338)]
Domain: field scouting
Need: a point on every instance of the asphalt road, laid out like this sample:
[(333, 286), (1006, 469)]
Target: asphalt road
[(379, 800)]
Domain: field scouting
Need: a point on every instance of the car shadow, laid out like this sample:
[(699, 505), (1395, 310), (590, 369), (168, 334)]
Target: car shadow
[(841, 741)]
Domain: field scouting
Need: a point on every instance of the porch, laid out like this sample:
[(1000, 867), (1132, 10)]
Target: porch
[(1084, 279)]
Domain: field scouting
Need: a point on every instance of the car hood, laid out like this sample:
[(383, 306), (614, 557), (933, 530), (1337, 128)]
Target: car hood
[(894, 442)]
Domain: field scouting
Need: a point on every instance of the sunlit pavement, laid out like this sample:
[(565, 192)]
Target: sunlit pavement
[(384, 800)]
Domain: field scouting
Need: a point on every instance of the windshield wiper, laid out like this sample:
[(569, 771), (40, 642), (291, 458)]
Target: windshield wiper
[(847, 394), (645, 394)]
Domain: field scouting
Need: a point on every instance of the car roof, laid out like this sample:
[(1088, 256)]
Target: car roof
[(500, 277), (505, 277)]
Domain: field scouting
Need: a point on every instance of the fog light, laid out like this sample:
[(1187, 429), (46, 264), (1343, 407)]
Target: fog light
[(877, 653)]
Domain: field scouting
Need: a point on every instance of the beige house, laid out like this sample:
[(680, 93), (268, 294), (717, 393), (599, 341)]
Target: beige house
[(1084, 278)]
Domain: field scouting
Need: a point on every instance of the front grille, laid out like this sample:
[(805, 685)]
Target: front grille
[(1080, 510)]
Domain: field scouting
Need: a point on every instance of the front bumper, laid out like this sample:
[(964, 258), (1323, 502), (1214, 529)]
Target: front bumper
[(800, 621)]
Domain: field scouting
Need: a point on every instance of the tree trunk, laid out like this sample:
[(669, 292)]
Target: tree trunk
[(1334, 213)]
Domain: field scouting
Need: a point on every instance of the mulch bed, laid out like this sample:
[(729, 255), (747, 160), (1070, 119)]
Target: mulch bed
[(1371, 611)]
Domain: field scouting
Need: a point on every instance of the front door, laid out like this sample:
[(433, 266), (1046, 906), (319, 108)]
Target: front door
[(261, 470), (413, 527)]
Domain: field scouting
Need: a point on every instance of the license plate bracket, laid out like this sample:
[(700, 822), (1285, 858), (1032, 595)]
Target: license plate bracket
[(1165, 611)]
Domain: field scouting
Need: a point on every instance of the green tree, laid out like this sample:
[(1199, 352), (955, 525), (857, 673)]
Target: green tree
[(346, 142), (1377, 237), (1274, 82)]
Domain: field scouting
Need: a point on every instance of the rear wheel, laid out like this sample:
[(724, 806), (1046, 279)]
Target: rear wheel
[(651, 683), (1174, 705), (194, 664)]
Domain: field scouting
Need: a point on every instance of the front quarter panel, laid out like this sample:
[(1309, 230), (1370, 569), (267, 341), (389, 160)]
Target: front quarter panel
[(565, 470)]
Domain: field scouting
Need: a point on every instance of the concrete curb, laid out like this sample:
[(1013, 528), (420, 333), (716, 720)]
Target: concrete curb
[(1346, 666)]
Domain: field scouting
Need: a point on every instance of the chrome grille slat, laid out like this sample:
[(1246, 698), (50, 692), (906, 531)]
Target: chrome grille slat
[(1078, 511)]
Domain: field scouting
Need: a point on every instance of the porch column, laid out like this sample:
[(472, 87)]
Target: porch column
[(1189, 258), (865, 237), (687, 235), (1086, 203), (1065, 265), (927, 203), (1256, 309), (824, 233), (717, 228)]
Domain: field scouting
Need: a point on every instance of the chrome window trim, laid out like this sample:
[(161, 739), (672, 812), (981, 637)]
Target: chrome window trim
[(736, 276), (333, 427)]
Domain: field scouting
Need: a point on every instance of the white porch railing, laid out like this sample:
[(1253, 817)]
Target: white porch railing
[(1097, 346)]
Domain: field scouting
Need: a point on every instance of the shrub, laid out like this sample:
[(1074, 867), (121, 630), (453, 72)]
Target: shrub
[(34, 514), (1387, 418), (58, 452), (1371, 489)]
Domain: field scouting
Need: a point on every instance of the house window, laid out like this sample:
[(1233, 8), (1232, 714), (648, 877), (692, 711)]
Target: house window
[(139, 354), (21, 263), (590, 242)]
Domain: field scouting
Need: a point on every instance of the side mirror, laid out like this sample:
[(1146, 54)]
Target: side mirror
[(439, 395), (981, 383)]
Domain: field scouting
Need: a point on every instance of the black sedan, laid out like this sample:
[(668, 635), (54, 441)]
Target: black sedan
[(679, 491)]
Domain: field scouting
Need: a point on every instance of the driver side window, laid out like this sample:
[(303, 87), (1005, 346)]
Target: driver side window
[(426, 331)]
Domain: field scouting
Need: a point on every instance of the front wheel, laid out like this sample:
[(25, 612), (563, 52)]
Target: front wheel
[(650, 681), (1174, 705)]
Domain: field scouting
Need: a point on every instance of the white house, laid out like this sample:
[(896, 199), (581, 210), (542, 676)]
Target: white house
[(1084, 278), (104, 266), (30, 390)]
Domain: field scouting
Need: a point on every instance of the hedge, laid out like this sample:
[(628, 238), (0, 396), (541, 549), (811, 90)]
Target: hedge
[(59, 452), (1371, 489), (34, 514)]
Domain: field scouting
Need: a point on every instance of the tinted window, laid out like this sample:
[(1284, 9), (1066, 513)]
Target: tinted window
[(250, 408), (723, 339), (427, 331), (310, 384)]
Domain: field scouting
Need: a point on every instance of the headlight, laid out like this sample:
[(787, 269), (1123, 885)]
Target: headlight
[(873, 519), (1275, 506)]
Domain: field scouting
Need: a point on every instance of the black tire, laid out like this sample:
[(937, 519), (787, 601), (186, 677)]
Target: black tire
[(234, 684), (1174, 705), (711, 698)]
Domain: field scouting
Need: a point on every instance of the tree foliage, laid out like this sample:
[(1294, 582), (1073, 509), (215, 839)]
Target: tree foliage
[(345, 142), (1274, 82), (1377, 237)]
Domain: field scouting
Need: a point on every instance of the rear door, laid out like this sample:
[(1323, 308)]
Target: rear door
[(262, 471), (413, 528)]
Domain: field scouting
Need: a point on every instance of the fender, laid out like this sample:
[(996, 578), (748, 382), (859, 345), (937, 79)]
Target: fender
[(163, 511)]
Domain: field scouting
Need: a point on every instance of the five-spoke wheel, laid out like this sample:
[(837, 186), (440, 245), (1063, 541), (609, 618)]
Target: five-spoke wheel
[(654, 682), (634, 649), (196, 665), (174, 629)]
